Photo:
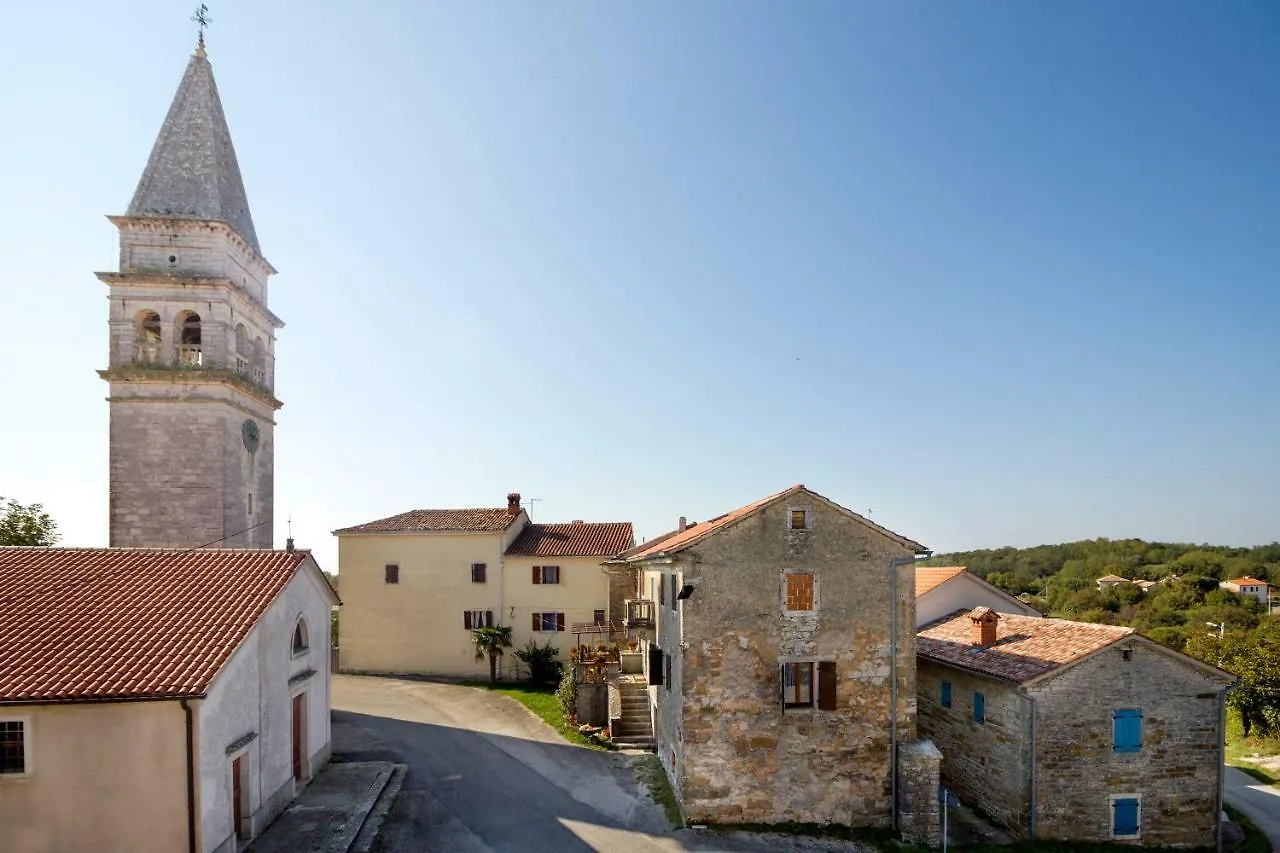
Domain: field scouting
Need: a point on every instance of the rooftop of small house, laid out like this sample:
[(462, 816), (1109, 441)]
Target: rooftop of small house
[(1112, 579), (1247, 582)]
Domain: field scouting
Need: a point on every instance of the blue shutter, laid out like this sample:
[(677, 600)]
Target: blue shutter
[(1125, 818), (1127, 730), (979, 708), (946, 694)]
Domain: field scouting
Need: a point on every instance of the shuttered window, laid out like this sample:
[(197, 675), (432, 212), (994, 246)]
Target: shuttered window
[(673, 590), (392, 573), (1126, 730), (548, 622), (799, 592), (826, 685), (945, 698), (979, 708), (655, 664), (1124, 816), (477, 572), (472, 619), (546, 574)]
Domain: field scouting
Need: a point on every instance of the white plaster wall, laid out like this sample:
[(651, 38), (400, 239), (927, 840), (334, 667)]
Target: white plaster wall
[(252, 693), (965, 592)]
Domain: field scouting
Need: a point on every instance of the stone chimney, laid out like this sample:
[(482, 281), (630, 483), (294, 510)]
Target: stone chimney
[(288, 545), (684, 523), (984, 621), (513, 503)]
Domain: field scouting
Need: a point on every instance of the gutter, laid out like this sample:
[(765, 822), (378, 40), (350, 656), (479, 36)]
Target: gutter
[(191, 778)]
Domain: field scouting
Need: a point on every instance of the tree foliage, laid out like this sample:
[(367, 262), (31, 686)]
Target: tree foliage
[(491, 642), (26, 525), (541, 660), (1255, 657)]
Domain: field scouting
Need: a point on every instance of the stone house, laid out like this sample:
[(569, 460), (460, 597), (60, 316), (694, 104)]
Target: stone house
[(415, 584), (941, 590), (1073, 731), (782, 668), (156, 701)]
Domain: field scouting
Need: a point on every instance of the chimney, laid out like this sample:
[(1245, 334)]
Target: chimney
[(684, 523), (577, 521), (288, 545), (984, 626), (513, 503)]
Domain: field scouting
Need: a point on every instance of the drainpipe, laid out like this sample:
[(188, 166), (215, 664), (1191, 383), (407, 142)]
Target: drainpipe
[(191, 779), (894, 565), (1222, 759), (1031, 814)]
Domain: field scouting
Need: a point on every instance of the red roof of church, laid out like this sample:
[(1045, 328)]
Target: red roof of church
[(93, 624)]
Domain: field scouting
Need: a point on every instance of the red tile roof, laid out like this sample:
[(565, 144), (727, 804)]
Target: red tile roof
[(1247, 582), (1026, 647), (117, 623), (438, 521), (579, 539), (931, 577), (670, 543)]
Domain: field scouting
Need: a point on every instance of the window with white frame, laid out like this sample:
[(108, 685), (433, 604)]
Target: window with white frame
[(472, 619), (1126, 815), (15, 747), (548, 622)]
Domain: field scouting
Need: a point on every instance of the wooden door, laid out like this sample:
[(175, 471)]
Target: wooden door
[(237, 795), (297, 738)]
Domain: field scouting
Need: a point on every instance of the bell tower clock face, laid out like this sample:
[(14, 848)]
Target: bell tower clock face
[(250, 435)]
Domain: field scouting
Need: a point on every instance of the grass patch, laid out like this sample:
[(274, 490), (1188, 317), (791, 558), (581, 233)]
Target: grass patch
[(1254, 840), (541, 699), (1240, 747), (1262, 774), (654, 776)]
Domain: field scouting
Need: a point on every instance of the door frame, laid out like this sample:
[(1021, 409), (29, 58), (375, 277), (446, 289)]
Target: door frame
[(298, 711), (244, 831)]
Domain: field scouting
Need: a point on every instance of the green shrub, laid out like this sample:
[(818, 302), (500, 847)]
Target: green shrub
[(567, 693), (541, 660)]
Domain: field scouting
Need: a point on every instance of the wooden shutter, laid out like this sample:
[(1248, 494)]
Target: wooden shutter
[(946, 694), (466, 619), (1125, 821), (537, 574), (392, 573), (827, 685), (655, 664), (537, 622), (488, 618), (662, 590), (979, 708), (1127, 730), (559, 621)]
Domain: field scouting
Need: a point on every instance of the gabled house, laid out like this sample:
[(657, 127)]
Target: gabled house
[(1249, 586), (945, 589), (157, 700), (1065, 730), (414, 585), (1107, 581), (782, 670)]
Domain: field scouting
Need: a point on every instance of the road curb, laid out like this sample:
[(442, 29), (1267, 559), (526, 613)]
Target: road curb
[(372, 823), (345, 838)]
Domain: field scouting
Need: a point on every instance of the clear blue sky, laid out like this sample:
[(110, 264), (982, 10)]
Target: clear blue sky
[(1004, 273)]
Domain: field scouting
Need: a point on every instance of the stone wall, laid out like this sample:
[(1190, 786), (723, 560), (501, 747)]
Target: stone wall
[(1176, 770), (987, 764), (737, 755), (919, 810)]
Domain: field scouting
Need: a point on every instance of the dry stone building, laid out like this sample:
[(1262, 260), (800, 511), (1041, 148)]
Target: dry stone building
[(783, 668), (1072, 731)]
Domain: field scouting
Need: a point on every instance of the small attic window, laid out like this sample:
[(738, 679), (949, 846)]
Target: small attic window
[(799, 519), (300, 644), (1127, 654)]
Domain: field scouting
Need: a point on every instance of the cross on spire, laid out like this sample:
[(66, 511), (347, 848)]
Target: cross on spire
[(202, 19)]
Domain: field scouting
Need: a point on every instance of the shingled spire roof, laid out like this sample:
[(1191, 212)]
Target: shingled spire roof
[(193, 171)]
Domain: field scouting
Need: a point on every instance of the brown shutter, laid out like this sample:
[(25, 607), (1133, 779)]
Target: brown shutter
[(466, 619), (537, 622), (537, 576), (826, 685), (655, 664), (488, 618), (559, 621)]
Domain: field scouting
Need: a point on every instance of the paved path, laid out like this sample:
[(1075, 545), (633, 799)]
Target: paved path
[(486, 775), (1260, 802)]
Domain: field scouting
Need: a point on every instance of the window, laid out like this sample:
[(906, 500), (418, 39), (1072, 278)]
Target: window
[(546, 574), (1124, 816), (300, 637), (656, 666), (472, 619), (599, 617), (662, 590), (799, 689), (392, 574), (799, 519), (189, 340), (477, 572), (667, 679), (13, 746), (674, 589), (1127, 654), (1126, 730), (945, 697), (548, 622), (799, 592), (979, 707), (146, 337)]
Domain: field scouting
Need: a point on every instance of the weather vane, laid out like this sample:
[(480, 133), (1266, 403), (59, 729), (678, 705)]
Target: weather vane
[(202, 18)]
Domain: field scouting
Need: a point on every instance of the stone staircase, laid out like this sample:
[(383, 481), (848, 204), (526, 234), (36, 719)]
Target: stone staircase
[(633, 730)]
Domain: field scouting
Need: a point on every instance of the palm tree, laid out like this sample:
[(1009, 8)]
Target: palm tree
[(490, 642)]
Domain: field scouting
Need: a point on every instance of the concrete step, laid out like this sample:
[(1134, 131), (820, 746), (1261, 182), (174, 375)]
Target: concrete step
[(645, 745)]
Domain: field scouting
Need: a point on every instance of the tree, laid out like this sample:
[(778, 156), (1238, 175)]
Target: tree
[(1255, 657), (541, 660), (26, 525), (489, 642)]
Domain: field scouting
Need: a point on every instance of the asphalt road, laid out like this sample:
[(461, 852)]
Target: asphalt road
[(1259, 802), (486, 776)]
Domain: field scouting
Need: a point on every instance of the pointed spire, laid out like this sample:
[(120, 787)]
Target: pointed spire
[(192, 171)]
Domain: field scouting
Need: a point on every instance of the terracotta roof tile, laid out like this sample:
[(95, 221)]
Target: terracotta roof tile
[(1113, 579), (113, 623), (438, 521), (931, 577), (1026, 647), (579, 539), (1247, 582)]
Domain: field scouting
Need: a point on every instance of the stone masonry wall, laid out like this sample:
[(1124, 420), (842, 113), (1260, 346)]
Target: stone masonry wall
[(743, 758), (919, 811), (1176, 771), (986, 764)]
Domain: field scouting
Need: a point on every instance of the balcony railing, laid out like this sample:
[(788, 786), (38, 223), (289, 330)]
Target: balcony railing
[(146, 352), (189, 355), (639, 613), (242, 364)]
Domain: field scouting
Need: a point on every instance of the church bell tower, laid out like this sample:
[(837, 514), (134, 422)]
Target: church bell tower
[(192, 353)]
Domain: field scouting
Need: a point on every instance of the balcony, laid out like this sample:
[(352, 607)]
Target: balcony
[(639, 613), (189, 355)]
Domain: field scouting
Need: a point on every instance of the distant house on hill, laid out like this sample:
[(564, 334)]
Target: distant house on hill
[(1073, 731), (1107, 581), (945, 589), (1248, 586)]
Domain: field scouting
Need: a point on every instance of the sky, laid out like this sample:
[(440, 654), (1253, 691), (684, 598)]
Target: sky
[(996, 273)]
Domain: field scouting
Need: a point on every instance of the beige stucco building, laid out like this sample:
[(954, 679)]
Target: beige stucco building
[(415, 584), (157, 701)]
